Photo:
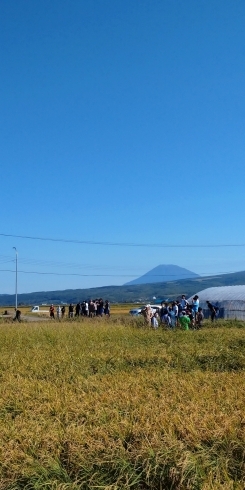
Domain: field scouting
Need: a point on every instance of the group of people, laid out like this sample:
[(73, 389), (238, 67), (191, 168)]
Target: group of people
[(179, 314), (91, 308)]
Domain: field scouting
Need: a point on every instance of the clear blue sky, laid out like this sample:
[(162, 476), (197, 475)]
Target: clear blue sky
[(121, 121)]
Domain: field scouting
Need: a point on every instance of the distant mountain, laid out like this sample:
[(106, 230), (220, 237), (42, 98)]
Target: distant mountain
[(142, 293), (163, 273)]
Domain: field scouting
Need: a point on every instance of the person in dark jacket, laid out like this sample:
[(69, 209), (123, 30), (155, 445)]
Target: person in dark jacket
[(17, 315), (51, 311), (107, 308), (71, 310), (213, 310), (78, 308)]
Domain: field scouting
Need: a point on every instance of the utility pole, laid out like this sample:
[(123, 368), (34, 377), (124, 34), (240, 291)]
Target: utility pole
[(16, 277)]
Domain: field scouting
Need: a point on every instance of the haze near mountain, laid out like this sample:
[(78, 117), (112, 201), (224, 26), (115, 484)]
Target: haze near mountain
[(163, 273)]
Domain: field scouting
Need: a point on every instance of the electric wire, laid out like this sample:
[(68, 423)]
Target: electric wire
[(121, 244), (49, 263), (117, 275)]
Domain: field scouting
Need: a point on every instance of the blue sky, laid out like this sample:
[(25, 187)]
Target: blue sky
[(123, 122)]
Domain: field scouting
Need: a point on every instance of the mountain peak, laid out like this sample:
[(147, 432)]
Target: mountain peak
[(163, 273)]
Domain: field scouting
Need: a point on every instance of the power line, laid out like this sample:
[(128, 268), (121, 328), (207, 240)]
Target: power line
[(58, 264), (120, 244), (117, 275)]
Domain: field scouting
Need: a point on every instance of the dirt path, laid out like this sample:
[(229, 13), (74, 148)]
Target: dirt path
[(27, 318)]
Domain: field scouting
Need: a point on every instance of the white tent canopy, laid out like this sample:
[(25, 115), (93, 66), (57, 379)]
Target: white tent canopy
[(222, 293), (230, 300)]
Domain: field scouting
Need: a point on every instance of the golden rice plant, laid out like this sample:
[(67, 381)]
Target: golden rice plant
[(106, 403)]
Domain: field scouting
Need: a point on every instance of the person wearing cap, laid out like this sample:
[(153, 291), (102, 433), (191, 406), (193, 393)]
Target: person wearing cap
[(147, 314)]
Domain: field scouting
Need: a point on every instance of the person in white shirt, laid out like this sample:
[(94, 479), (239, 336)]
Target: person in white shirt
[(183, 303), (58, 312), (86, 308), (154, 321)]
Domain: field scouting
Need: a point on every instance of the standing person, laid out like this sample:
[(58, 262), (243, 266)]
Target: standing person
[(163, 306), (167, 319), (172, 315), (91, 308), (183, 303), (71, 310), (101, 307), (163, 311), (78, 307), (154, 320), (179, 311), (58, 312), (147, 314), (195, 305), (184, 321), (86, 308), (165, 315), (199, 318), (107, 308), (17, 315), (83, 308), (176, 311), (63, 310), (190, 313), (51, 311), (213, 310)]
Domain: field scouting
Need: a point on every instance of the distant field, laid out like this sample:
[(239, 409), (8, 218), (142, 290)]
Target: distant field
[(116, 309), (109, 404)]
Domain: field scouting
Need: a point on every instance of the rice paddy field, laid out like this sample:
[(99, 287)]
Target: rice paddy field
[(110, 404)]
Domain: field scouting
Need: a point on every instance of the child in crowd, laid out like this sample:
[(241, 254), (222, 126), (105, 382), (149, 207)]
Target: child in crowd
[(154, 321), (199, 318), (184, 321)]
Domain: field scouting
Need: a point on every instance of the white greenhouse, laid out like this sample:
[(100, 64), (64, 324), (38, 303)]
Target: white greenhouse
[(229, 299)]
